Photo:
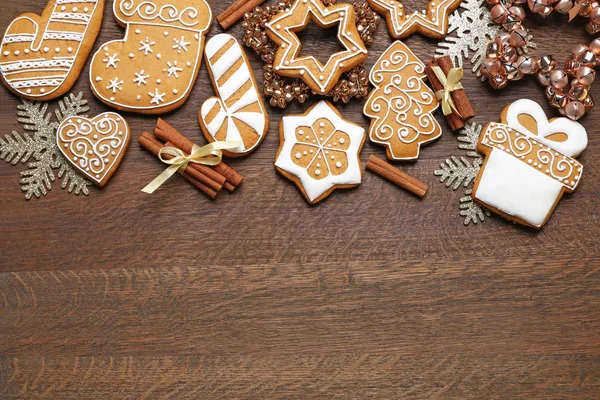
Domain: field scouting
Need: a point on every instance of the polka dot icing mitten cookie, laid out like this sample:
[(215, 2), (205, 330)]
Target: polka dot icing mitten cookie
[(154, 68), (529, 163), (320, 151), (42, 56), (239, 112), (94, 146)]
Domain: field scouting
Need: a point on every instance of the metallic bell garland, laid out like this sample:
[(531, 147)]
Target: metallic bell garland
[(281, 91), (567, 88)]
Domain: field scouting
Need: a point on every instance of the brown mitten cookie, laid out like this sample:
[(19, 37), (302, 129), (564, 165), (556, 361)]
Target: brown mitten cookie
[(154, 68), (42, 56)]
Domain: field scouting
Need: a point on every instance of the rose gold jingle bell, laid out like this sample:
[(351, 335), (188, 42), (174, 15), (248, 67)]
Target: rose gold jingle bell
[(547, 63), (559, 79), (574, 110), (586, 75), (527, 64)]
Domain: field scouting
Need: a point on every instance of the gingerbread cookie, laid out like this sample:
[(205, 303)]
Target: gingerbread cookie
[(431, 22), (320, 78), (529, 163), (401, 106), (41, 56), (320, 151), (154, 68), (238, 113), (94, 146)]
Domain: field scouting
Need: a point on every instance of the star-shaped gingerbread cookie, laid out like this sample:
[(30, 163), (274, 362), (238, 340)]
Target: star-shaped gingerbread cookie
[(320, 78), (431, 22), (320, 151)]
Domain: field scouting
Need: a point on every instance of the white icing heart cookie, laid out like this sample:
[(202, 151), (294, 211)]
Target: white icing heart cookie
[(239, 112), (42, 56), (94, 146), (529, 165), (154, 68), (320, 151)]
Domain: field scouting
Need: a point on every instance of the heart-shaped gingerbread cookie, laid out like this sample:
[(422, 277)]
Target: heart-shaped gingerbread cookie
[(94, 146)]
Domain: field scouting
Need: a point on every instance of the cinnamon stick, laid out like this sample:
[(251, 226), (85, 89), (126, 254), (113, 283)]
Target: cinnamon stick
[(167, 133), (461, 101), (150, 143), (454, 120), (199, 172), (397, 177), (236, 11)]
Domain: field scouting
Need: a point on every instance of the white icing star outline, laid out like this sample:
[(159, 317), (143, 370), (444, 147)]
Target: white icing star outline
[(313, 188), (282, 31), (432, 23)]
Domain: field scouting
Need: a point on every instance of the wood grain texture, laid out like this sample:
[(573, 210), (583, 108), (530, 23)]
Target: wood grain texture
[(371, 294)]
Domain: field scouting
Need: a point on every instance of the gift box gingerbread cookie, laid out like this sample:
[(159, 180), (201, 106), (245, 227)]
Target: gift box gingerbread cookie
[(154, 68), (529, 163)]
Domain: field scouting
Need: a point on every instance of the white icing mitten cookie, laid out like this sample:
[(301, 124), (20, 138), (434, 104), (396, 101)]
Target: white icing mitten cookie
[(154, 68), (41, 56), (238, 113), (529, 163)]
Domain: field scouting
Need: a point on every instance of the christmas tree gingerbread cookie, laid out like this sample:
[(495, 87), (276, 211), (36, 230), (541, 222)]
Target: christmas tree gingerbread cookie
[(238, 113), (431, 22), (41, 56), (94, 146), (288, 62), (401, 106), (320, 151), (530, 163), (154, 68)]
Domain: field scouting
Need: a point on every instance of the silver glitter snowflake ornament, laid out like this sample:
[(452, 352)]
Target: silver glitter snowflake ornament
[(461, 171), (41, 146), (470, 29)]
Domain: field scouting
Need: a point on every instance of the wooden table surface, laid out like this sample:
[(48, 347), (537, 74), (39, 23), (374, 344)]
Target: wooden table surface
[(371, 294)]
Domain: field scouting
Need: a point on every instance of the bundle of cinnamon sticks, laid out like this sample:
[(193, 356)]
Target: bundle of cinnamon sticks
[(209, 180), (459, 97)]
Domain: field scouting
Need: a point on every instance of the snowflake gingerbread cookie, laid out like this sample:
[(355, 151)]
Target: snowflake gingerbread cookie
[(431, 22), (320, 78), (94, 146), (320, 151), (41, 56), (153, 69), (238, 113), (529, 163), (401, 106)]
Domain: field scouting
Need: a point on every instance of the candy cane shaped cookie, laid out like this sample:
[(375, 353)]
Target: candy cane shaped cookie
[(41, 56), (239, 112)]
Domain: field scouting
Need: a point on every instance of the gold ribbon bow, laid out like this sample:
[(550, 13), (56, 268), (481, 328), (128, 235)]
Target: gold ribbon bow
[(573, 12), (450, 84), (210, 154)]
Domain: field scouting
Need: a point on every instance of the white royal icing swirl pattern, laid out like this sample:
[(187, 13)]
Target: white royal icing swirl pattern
[(402, 96), (94, 144), (149, 11)]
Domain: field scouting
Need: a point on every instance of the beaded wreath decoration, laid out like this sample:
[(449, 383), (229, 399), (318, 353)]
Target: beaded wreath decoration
[(354, 84), (567, 88)]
